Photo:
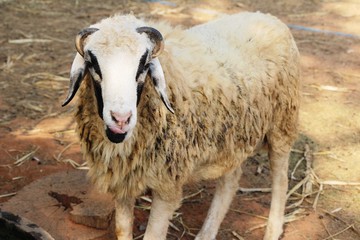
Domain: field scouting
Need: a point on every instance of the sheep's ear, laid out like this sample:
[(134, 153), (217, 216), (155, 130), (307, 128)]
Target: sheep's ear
[(77, 73), (78, 68), (157, 76)]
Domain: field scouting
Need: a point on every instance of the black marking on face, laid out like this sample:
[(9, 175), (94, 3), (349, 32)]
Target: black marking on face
[(139, 90), (142, 64), (115, 137), (94, 64), (99, 98)]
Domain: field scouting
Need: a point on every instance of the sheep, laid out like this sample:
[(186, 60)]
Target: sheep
[(233, 87)]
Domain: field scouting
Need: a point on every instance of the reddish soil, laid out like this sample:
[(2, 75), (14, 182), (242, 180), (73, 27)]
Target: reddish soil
[(36, 51)]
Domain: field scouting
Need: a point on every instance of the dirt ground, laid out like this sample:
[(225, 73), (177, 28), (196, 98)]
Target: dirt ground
[(37, 137)]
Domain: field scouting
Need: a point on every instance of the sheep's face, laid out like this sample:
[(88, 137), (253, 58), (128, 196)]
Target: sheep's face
[(118, 70), (118, 78)]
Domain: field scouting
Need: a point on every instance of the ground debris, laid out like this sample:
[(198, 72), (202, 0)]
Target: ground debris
[(95, 211), (65, 200)]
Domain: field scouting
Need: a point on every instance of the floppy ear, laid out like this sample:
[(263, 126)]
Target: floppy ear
[(77, 73), (157, 76), (79, 67)]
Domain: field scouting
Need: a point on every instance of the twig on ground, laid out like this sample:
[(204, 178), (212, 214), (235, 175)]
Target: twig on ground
[(328, 154), (143, 207), (79, 166), (146, 199), (82, 166), (295, 168), (186, 228), (8, 195), (139, 237), (341, 220), (29, 40), (340, 232), (256, 227), (17, 178), (336, 210), (326, 229), (36, 159), (291, 217), (339, 183), (235, 234), (321, 187), (307, 188), (26, 157), (299, 202), (58, 157), (295, 215), (330, 88), (193, 194), (247, 213), (297, 151), (174, 227), (298, 185), (250, 190)]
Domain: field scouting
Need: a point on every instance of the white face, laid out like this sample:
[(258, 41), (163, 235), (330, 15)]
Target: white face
[(117, 76), (118, 64)]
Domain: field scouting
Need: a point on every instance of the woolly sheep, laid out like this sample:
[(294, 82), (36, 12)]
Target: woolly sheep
[(233, 89)]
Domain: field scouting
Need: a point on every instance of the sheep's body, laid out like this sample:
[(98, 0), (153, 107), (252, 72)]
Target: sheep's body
[(231, 89)]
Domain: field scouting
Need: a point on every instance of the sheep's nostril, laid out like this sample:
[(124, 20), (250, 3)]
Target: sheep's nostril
[(128, 120), (121, 119), (113, 118)]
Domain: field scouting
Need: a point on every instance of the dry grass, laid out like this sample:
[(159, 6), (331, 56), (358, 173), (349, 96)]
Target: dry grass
[(74, 164), (26, 157)]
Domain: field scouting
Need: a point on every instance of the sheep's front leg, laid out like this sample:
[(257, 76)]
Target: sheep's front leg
[(225, 191), (124, 217), (160, 214), (279, 169)]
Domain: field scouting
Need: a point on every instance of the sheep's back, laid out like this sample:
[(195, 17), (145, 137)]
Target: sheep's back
[(231, 81), (250, 48)]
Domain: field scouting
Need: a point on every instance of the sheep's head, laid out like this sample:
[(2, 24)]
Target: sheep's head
[(118, 68)]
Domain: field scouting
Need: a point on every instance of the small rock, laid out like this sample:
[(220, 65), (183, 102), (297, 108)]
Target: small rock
[(95, 211)]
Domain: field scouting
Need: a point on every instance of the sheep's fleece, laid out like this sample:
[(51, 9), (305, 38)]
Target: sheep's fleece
[(234, 86)]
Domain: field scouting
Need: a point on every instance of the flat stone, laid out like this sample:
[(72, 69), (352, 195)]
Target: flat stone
[(96, 211), (48, 202)]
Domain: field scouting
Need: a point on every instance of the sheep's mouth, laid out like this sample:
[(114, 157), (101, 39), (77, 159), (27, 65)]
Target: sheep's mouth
[(115, 137)]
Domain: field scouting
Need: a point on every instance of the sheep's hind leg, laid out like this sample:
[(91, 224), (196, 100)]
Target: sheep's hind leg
[(225, 191), (279, 169), (124, 217), (160, 215)]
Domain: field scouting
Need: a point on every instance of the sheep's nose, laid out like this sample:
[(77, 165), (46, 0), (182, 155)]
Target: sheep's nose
[(121, 119)]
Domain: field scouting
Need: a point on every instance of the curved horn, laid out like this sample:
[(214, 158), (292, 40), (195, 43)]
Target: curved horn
[(80, 37), (155, 36)]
